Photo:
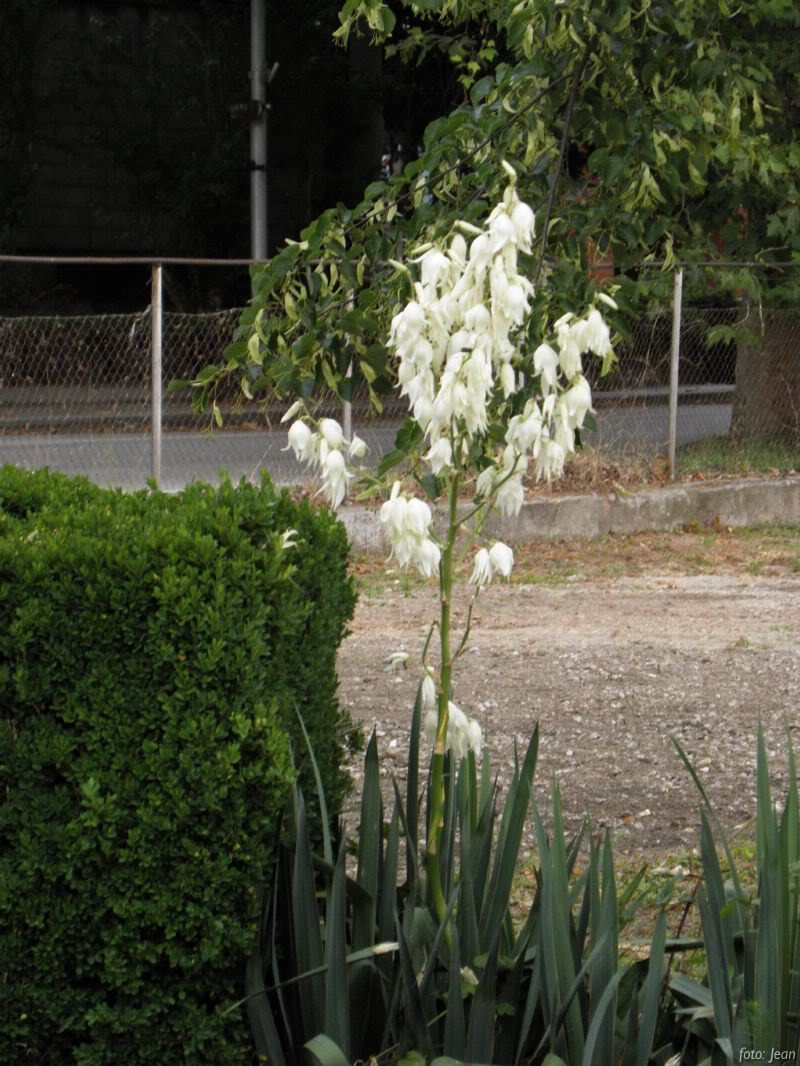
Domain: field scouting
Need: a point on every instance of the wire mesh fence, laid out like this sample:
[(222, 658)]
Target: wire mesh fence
[(76, 390)]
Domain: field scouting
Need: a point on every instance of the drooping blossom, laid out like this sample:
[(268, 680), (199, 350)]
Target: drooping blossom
[(406, 521)]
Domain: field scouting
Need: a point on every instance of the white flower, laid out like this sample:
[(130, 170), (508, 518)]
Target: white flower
[(358, 448), (545, 363), (501, 558), (596, 336), (334, 477), (393, 512), (524, 225), (510, 495), (440, 455), (395, 661), (428, 690), (475, 737), (288, 540), (428, 558), (508, 379), (577, 401), (434, 266), (331, 433), (482, 569), (302, 442), (418, 517), (485, 482), (463, 733), (406, 522), (550, 460)]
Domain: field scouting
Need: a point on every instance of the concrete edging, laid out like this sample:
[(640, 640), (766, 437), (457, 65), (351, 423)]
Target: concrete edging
[(744, 502)]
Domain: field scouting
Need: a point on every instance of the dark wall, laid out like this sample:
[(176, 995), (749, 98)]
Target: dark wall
[(124, 125), (124, 130)]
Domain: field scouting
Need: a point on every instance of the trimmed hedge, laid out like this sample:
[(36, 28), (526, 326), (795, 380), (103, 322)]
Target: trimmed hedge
[(153, 652)]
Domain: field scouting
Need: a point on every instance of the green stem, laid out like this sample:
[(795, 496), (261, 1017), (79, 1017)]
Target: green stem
[(437, 804)]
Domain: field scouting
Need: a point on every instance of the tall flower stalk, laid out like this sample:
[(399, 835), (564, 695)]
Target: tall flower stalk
[(486, 406)]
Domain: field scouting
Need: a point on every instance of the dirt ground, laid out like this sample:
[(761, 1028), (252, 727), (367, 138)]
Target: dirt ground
[(614, 648)]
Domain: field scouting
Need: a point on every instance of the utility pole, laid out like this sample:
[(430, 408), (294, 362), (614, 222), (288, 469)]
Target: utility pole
[(259, 79)]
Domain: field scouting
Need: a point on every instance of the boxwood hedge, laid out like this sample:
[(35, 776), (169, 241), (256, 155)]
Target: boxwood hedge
[(154, 650)]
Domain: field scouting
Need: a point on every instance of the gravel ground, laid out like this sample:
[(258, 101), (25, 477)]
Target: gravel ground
[(611, 669)]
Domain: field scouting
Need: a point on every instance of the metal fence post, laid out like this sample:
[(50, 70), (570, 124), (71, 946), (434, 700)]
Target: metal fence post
[(674, 368), (347, 405), (156, 321)]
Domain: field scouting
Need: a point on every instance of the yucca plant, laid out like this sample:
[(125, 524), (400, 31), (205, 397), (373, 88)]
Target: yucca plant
[(748, 1006), (355, 963)]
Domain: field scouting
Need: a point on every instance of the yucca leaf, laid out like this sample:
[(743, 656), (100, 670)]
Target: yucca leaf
[(651, 994), (326, 1051), (259, 1013), (510, 838), (281, 919), (412, 781), (388, 899), (370, 849), (561, 929), (482, 1014), (467, 919), (454, 1026), (327, 849), (773, 902), (308, 953), (530, 1010), (447, 840), (714, 886), (790, 858), (415, 1020), (601, 1012), (434, 950), (337, 1013), (412, 867), (565, 1005), (604, 924), (716, 965), (720, 832), (479, 858)]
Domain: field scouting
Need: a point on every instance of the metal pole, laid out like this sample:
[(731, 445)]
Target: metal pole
[(674, 368), (156, 318), (258, 129), (347, 405), (347, 411)]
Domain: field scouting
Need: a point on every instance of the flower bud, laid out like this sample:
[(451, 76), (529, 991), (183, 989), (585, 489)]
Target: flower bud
[(358, 448)]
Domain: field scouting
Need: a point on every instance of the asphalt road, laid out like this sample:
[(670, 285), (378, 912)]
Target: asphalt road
[(124, 459)]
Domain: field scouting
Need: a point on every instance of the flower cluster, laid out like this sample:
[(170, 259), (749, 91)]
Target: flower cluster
[(323, 450), (463, 733), (499, 559), (407, 523), (455, 342)]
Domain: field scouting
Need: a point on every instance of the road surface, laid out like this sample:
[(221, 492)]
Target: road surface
[(123, 459)]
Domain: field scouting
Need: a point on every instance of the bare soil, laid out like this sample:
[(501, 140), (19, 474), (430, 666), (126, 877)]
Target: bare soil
[(614, 648)]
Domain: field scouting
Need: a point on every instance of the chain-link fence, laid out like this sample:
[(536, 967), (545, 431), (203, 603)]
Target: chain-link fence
[(76, 391)]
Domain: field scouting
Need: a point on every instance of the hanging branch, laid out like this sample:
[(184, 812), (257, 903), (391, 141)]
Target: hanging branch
[(562, 151)]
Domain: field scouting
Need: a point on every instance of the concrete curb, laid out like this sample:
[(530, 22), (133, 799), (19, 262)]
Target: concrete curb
[(744, 502)]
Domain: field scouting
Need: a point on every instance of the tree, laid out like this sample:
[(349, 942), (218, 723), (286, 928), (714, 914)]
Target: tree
[(639, 131)]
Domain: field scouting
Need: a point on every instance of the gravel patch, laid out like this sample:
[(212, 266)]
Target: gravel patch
[(611, 670)]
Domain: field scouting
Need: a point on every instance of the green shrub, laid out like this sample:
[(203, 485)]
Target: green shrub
[(153, 651)]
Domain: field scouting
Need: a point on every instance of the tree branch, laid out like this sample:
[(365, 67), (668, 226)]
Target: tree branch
[(562, 151)]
